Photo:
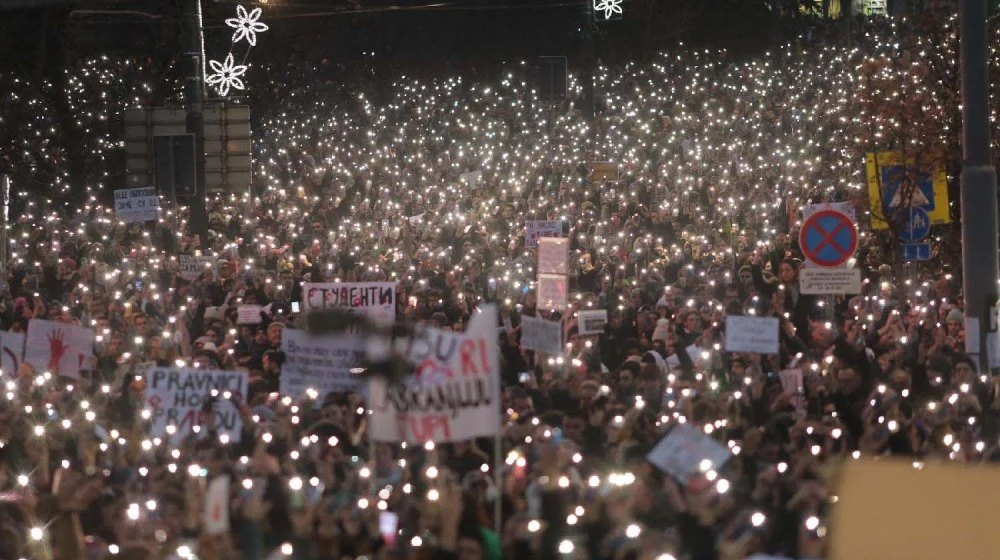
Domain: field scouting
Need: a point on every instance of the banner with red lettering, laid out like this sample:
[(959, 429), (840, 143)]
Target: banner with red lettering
[(454, 392)]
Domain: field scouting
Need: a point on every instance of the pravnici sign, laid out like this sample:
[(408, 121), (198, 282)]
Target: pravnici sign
[(176, 397), (454, 392)]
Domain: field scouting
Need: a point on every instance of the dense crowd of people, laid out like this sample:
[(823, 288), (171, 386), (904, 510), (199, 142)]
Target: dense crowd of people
[(432, 190)]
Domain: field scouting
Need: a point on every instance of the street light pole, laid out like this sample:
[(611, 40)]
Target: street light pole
[(980, 268), (194, 73)]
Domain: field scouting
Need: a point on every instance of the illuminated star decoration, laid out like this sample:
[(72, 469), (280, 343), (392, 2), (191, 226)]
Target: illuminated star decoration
[(226, 75), (247, 25), (609, 7)]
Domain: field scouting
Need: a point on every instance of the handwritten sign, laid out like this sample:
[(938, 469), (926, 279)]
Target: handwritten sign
[(215, 518), (249, 314), (752, 334), (537, 229), (322, 363), (552, 291), (192, 267), (11, 351), (454, 391), (541, 335), (592, 321), (681, 452), (552, 255), (63, 350), (137, 205), (176, 397), (374, 300)]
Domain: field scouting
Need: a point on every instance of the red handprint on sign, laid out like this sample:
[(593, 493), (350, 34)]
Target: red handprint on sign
[(57, 347)]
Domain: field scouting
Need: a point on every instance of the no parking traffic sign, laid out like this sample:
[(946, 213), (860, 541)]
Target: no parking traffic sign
[(828, 238)]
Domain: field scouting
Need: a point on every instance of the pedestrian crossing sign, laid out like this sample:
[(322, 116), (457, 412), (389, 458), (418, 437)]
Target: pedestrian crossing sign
[(885, 194)]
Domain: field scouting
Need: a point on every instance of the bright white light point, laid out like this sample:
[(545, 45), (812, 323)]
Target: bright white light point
[(432, 472), (433, 495), (812, 522), (534, 526), (666, 556), (416, 542), (632, 531), (113, 549), (758, 519), (722, 486), (286, 549), (37, 533), (565, 547), (705, 465)]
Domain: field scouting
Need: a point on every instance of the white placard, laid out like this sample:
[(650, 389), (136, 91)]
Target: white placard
[(592, 321), (192, 267), (472, 178), (536, 229), (541, 335), (63, 350), (176, 397), (215, 518), (249, 314), (374, 300), (137, 205), (830, 281), (11, 351), (681, 452), (553, 252), (453, 395), (693, 352), (552, 291), (322, 363), (752, 334)]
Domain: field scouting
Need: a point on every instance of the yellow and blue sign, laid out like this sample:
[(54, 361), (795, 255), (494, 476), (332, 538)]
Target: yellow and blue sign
[(884, 181)]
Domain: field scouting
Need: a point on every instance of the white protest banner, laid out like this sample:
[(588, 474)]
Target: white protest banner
[(541, 335), (11, 351), (752, 334), (249, 314), (60, 349), (830, 281), (416, 220), (553, 252), (472, 178), (137, 205), (374, 300), (177, 397), (552, 291), (592, 321), (453, 394), (536, 229), (192, 267), (322, 363), (215, 518), (681, 452), (693, 352)]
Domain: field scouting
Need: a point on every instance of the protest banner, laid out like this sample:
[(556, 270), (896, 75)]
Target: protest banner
[(680, 453), (322, 363), (541, 335), (249, 314), (11, 351), (830, 281), (177, 396), (553, 252), (537, 229), (137, 205), (215, 518), (693, 352), (552, 291), (374, 300), (454, 392), (592, 321), (472, 178), (752, 334), (63, 350), (192, 267)]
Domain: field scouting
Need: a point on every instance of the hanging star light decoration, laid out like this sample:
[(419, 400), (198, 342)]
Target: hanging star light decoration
[(609, 7), (226, 75), (247, 25)]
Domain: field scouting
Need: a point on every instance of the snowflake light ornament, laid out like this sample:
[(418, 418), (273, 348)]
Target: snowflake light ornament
[(609, 7), (226, 75), (247, 25)]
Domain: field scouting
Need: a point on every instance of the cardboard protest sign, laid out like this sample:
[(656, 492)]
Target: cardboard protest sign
[(137, 205), (11, 351), (553, 252), (453, 394), (592, 321), (63, 350), (536, 229), (215, 518), (249, 314), (682, 450), (176, 397), (192, 267), (375, 300), (752, 334), (552, 291), (322, 363), (541, 335)]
